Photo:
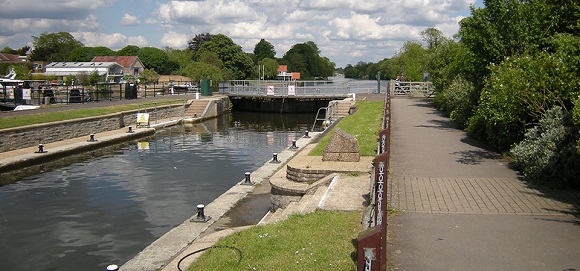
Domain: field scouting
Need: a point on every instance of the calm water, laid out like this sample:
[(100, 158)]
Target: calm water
[(93, 209)]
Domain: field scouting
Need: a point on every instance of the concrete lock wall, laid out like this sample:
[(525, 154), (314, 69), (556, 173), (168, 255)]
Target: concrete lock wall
[(32, 135)]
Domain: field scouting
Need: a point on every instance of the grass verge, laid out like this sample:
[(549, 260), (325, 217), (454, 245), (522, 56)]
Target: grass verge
[(17, 121), (317, 241), (364, 125)]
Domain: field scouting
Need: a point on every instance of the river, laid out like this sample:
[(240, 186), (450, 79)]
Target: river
[(103, 207)]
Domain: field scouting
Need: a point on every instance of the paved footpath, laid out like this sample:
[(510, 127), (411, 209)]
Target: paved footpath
[(463, 208)]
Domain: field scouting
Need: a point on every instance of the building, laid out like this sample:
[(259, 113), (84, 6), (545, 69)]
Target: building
[(112, 71), (132, 65), (284, 75), (10, 58)]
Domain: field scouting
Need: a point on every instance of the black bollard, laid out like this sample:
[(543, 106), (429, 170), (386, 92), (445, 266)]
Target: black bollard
[(275, 158), (40, 149), (247, 180), (195, 115), (112, 267), (91, 138), (306, 134), (293, 145), (201, 217), (130, 130)]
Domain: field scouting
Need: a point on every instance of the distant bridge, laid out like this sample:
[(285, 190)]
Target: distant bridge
[(293, 96)]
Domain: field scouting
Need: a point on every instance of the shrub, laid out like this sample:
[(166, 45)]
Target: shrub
[(547, 152), (518, 92), (456, 100)]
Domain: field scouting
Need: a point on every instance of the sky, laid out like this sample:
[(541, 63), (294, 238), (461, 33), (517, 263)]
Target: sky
[(346, 31)]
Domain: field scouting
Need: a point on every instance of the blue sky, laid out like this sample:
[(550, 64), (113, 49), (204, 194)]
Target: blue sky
[(346, 31)]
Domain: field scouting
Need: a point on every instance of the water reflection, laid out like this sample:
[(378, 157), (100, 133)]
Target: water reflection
[(89, 210)]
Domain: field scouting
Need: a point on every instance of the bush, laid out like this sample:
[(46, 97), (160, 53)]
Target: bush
[(518, 92), (456, 100), (548, 151)]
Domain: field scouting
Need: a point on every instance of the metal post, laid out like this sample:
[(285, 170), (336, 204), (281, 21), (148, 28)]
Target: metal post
[(92, 138), (201, 217), (247, 180), (293, 145), (40, 149), (275, 158), (306, 134), (130, 130)]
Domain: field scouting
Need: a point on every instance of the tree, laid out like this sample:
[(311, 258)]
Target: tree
[(411, 61), (304, 58), (149, 76), (156, 59), (20, 52), (196, 41), (211, 58), (264, 49), (270, 70), (85, 54), (198, 71), (53, 46), (129, 50), (231, 54), (433, 37)]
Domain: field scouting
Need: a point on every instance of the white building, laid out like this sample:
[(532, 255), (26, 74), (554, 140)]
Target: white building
[(112, 71)]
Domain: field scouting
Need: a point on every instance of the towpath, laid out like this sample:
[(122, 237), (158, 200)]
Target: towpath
[(463, 208)]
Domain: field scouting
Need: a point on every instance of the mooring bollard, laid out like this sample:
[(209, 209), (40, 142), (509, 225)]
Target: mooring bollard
[(195, 115), (293, 145), (247, 180), (130, 130), (92, 138), (201, 217), (40, 149), (275, 158), (112, 267), (306, 134)]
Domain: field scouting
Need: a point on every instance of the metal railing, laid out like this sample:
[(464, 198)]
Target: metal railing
[(287, 88)]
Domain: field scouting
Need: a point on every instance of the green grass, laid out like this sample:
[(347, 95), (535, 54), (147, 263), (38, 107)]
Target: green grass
[(317, 241), (364, 125), (17, 121)]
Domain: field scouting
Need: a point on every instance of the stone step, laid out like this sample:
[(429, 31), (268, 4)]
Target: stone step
[(197, 108)]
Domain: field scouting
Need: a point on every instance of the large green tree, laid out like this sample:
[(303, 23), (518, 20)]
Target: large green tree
[(156, 59), (53, 46), (305, 58), (129, 50), (231, 54), (85, 54), (195, 43), (264, 49)]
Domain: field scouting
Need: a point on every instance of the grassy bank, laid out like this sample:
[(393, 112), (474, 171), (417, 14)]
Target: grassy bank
[(17, 121), (315, 241), (364, 125)]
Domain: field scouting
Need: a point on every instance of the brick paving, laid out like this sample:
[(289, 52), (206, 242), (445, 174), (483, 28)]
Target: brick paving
[(476, 196)]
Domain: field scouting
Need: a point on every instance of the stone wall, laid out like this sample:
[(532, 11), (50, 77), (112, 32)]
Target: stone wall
[(32, 135)]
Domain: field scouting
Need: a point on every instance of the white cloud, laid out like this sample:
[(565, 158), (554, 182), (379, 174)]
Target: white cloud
[(113, 41), (346, 31), (175, 40), (129, 19), (50, 9)]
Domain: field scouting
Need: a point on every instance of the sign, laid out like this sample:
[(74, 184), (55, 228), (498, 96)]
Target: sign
[(270, 90), (143, 145), (26, 94), (143, 118), (291, 90)]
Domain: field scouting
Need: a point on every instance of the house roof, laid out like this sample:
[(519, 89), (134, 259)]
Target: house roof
[(91, 64), (8, 57), (125, 61)]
